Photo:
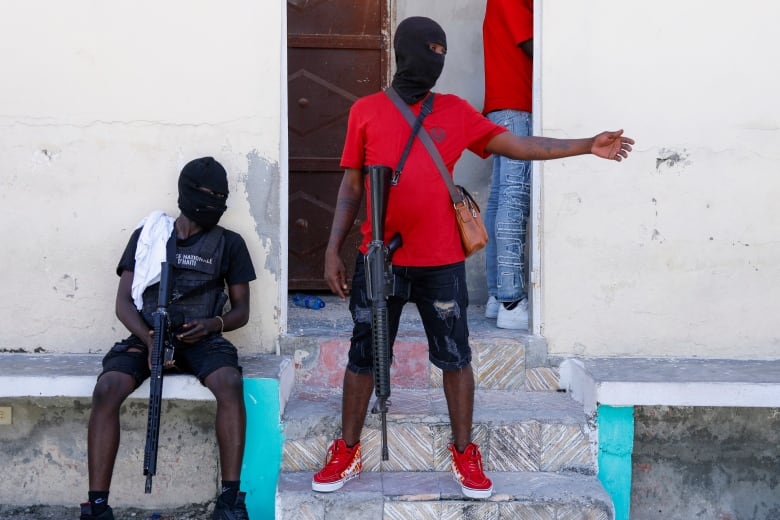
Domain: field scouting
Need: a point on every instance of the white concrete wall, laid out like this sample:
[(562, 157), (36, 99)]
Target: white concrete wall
[(674, 252), (101, 104)]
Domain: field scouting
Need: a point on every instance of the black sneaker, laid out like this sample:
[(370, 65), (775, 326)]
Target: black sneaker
[(237, 511), (86, 513)]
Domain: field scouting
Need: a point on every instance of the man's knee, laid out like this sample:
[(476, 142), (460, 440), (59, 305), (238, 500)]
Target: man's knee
[(111, 389), (225, 382)]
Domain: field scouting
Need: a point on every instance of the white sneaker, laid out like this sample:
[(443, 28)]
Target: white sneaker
[(515, 319), (491, 307)]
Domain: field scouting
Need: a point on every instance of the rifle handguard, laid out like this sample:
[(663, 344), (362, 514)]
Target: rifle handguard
[(162, 353)]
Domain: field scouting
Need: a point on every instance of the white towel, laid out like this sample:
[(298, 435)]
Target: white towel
[(150, 252)]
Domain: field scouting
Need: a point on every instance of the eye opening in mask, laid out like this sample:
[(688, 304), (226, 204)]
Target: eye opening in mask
[(212, 192), (438, 48)]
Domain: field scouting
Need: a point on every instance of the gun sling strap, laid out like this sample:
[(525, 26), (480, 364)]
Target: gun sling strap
[(416, 124), (425, 138)]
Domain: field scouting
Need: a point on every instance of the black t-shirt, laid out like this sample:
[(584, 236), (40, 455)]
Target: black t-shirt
[(236, 263)]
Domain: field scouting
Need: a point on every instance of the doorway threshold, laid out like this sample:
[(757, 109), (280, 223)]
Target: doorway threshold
[(335, 319)]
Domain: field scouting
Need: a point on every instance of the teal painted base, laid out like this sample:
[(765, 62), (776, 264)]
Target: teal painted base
[(616, 444), (263, 453)]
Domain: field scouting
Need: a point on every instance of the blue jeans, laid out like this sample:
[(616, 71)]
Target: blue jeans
[(507, 214)]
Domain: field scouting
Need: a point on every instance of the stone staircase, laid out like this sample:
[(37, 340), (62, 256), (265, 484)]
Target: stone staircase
[(537, 444)]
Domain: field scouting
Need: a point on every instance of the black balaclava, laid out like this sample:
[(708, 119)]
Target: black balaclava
[(417, 66), (198, 205)]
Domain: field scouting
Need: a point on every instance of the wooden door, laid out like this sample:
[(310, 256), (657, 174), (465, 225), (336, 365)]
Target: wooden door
[(337, 51)]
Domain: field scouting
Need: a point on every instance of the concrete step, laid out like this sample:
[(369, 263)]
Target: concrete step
[(436, 496), (498, 363), (44, 451), (538, 445), (516, 431)]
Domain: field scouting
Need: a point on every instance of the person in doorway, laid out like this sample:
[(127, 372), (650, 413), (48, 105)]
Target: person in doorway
[(507, 35), (431, 259), (206, 258)]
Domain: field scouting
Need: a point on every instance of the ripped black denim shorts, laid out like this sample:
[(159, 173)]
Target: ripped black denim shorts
[(441, 297)]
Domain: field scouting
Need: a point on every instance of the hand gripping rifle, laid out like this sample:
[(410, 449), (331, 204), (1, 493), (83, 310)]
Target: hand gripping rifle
[(379, 286), (162, 353)]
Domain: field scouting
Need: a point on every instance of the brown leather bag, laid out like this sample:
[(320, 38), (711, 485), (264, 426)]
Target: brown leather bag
[(473, 234)]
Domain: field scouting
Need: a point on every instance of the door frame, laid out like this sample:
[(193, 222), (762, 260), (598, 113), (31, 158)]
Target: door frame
[(535, 227), (389, 15), (284, 183), (536, 219)]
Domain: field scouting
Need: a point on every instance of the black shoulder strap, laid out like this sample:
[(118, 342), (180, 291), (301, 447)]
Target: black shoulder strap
[(416, 124), (170, 248), (212, 238), (427, 142)]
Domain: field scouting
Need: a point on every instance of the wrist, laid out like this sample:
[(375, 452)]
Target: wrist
[(220, 324)]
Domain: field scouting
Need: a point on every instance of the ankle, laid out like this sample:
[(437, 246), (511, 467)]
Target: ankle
[(351, 441), (460, 447), (230, 491), (98, 501)]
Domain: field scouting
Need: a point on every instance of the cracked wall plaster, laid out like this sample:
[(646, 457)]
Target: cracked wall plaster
[(262, 185)]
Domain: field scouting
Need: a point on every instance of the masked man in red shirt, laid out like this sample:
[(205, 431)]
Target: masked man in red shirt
[(431, 259)]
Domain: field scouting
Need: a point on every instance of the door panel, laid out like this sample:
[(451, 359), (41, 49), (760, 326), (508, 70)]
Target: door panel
[(337, 52)]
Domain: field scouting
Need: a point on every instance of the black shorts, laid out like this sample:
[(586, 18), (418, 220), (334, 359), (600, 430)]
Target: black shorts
[(199, 359), (442, 299)]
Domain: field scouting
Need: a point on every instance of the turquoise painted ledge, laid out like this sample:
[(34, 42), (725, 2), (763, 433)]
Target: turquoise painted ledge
[(616, 444), (263, 453)]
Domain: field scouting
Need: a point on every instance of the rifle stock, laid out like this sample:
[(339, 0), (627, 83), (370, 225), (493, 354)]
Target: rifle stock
[(162, 353), (379, 282)]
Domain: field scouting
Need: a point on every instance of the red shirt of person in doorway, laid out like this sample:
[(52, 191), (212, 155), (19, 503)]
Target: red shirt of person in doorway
[(508, 75)]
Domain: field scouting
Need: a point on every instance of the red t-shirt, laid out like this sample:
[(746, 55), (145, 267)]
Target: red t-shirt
[(508, 70), (419, 206)]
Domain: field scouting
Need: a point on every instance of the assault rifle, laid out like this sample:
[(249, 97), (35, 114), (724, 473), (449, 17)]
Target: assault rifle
[(162, 354), (379, 286)]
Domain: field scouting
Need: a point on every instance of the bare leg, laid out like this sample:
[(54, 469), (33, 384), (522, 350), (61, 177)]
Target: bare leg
[(227, 386), (103, 431), (354, 404), (459, 391)]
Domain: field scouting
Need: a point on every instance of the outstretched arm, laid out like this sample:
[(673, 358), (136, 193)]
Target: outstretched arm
[(607, 145), (347, 206)]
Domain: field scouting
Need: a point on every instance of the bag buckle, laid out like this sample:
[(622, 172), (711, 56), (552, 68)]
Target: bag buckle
[(466, 203)]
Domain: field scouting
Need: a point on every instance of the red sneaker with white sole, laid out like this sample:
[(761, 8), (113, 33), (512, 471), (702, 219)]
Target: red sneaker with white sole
[(467, 470), (343, 465)]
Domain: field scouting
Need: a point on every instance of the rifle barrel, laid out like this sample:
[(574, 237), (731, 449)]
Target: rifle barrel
[(159, 348), (378, 270)]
